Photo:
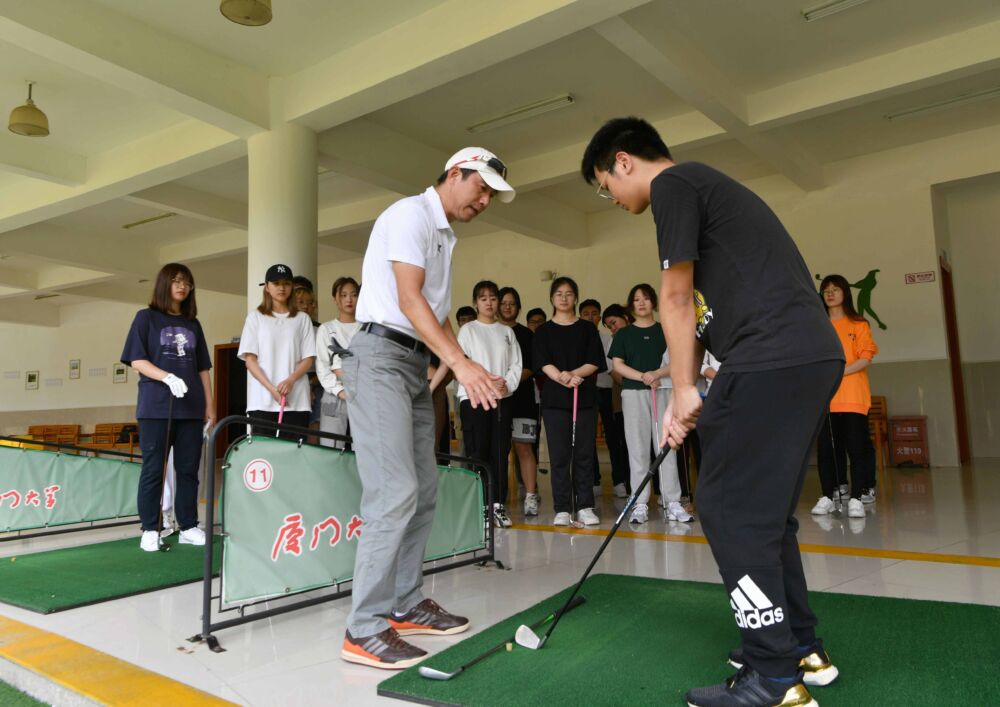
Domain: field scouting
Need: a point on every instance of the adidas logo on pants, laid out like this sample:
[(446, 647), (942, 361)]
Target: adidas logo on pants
[(751, 607)]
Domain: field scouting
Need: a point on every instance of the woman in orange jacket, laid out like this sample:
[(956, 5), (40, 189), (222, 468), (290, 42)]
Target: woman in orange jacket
[(846, 428)]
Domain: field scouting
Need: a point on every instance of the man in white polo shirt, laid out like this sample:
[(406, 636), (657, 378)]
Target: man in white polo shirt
[(404, 310)]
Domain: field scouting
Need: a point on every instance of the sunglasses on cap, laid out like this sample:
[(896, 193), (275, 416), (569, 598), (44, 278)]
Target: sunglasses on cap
[(492, 162)]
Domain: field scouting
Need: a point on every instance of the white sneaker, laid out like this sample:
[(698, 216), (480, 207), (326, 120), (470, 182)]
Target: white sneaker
[(192, 536), (868, 496), (150, 541), (676, 511), (640, 514), (562, 518), (855, 508), (823, 506), (531, 504), (620, 491), (169, 524), (500, 517), (587, 516)]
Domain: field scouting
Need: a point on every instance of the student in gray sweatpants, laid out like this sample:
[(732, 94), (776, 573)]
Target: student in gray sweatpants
[(403, 312)]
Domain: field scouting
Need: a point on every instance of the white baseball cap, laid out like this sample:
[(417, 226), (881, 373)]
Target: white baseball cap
[(489, 166)]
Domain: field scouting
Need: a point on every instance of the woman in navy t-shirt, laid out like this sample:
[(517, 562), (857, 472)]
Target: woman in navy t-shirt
[(167, 347)]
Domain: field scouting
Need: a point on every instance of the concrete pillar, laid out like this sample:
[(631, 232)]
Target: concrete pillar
[(282, 218)]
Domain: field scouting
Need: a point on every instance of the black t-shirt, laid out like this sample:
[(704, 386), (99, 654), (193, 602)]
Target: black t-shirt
[(567, 347), (523, 399), (176, 345), (757, 305)]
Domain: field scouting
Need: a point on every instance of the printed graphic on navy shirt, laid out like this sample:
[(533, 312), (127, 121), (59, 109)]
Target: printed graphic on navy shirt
[(173, 344)]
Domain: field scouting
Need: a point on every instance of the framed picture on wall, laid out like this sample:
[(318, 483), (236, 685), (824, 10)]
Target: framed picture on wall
[(31, 380), (119, 373), (74, 368)]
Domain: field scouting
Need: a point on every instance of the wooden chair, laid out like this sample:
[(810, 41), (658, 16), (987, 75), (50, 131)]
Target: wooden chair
[(878, 427)]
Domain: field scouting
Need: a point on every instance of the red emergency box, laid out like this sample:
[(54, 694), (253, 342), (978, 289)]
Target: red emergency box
[(909, 441)]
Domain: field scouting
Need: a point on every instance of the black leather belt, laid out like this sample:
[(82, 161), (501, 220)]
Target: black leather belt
[(397, 337)]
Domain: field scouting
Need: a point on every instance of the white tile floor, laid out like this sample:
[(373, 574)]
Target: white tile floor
[(294, 659)]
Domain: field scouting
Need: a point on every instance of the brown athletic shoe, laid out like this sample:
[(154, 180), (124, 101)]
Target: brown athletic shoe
[(428, 617), (385, 650)]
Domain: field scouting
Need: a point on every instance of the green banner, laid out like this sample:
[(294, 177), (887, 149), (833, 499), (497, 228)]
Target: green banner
[(291, 517), (39, 488)]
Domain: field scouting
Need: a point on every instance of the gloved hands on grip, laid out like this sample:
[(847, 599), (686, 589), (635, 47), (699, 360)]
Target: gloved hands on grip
[(177, 386)]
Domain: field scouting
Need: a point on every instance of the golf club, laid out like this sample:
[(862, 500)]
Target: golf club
[(160, 545), (574, 521), (434, 674), (836, 464), (525, 636)]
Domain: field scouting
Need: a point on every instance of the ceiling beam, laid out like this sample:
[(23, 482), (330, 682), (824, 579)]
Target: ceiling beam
[(30, 158), (367, 151), (214, 245), (447, 42), (94, 40), (193, 203), (929, 63), (159, 157), (673, 60), (79, 250)]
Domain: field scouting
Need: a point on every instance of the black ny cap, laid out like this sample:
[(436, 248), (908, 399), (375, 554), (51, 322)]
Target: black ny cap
[(276, 273)]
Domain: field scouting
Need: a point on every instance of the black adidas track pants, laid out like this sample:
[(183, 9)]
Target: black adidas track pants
[(756, 433)]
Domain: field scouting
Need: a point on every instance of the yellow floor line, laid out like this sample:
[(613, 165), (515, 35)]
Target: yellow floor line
[(805, 547), (91, 673)]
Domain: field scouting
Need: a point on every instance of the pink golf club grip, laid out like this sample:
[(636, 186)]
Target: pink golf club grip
[(576, 395), (281, 410)]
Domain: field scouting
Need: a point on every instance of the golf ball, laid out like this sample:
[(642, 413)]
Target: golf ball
[(510, 647)]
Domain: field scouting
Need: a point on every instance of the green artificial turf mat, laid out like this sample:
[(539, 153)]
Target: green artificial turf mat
[(639, 641), (77, 576), (10, 696)]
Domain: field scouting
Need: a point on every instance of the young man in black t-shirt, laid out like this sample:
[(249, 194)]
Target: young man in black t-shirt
[(733, 281)]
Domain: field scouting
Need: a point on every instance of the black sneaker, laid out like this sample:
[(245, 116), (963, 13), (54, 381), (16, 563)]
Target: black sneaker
[(815, 664), (748, 688), (385, 650), (428, 617)]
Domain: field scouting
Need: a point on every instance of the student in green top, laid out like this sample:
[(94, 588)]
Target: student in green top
[(638, 355)]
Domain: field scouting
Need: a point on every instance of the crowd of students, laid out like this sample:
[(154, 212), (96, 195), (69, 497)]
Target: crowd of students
[(560, 375)]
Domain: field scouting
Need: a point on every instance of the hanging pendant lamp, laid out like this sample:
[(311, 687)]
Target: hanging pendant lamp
[(28, 120), (252, 13)]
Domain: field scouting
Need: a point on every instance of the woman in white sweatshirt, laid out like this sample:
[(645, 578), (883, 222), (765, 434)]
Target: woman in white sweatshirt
[(333, 340), (487, 433)]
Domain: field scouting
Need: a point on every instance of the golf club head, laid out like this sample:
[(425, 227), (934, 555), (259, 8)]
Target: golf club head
[(527, 638), (163, 547), (432, 674)]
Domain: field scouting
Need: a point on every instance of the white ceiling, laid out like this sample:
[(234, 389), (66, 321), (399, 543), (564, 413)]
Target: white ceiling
[(136, 134)]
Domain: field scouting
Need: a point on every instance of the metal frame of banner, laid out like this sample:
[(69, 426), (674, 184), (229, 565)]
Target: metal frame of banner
[(478, 557), (86, 524)]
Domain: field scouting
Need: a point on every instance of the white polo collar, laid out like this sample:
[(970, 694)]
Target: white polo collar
[(437, 208)]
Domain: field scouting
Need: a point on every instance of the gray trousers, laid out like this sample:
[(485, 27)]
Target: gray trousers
[(642, 434), (392, 424)]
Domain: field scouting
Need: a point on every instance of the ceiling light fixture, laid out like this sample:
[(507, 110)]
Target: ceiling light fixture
[(38, 297), (168, 214), (954, 102), (251, 13), (829, 8), (28, 120), (523, 113)]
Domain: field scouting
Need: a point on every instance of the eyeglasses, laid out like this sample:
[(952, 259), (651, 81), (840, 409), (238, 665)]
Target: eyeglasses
[(183, 283), (492, 162), (602, 191)]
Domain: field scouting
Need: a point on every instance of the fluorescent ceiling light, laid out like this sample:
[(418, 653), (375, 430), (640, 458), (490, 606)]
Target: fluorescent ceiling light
[(829, 8), (523, 113), (963, 99), (168, 214)]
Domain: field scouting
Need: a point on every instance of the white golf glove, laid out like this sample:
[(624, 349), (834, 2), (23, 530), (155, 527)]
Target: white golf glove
[(177, 386)]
